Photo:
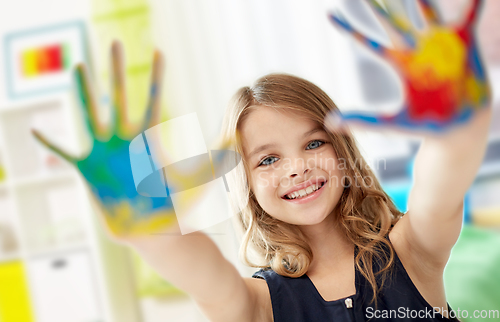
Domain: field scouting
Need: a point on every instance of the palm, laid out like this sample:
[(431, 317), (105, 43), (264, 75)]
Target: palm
[(441, 70), (108, 173), (106, 168)]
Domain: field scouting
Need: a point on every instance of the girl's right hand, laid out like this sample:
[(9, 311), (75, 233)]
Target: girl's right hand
[(106, 168)]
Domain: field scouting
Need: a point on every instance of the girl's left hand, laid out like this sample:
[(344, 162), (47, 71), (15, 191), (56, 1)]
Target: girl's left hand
[(441, 69), (445, 86)]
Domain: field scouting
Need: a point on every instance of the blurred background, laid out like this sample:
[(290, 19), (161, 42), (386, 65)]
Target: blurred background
[(55, 262)]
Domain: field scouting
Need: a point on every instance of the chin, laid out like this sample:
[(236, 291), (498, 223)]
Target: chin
[(312, 218), (316, 220)]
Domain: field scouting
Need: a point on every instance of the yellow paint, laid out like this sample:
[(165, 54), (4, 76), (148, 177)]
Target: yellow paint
[(123, 223), (14, 299), (474, 89), (440, 57), (402, 23)]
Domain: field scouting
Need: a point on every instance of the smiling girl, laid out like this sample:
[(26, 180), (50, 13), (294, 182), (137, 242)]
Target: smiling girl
[(303, 210), (332, 243)]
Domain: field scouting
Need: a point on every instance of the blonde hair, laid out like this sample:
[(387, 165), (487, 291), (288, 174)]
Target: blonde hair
[(366, 213)]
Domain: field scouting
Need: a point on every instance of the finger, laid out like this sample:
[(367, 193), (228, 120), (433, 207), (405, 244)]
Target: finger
[(398, 22), (476, 66), (431, 12), (120, 119), (87, 100), (400, 123), (356, 119), (373, 45), (473, 13), (153, 111), (52, 147)]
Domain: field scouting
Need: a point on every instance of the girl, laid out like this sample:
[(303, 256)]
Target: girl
[(330, 242)]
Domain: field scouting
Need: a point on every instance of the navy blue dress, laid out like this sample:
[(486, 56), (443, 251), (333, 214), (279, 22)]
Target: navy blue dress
[(298, 300)]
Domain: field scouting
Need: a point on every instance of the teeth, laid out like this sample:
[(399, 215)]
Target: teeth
[(303, 192)]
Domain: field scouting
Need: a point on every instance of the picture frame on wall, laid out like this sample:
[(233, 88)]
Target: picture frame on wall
[(41, 60)]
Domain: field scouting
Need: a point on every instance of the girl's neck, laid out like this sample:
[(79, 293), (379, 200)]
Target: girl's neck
[(329, 245)]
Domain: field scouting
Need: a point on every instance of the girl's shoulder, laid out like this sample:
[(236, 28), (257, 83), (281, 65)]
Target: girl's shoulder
[(260, 296)]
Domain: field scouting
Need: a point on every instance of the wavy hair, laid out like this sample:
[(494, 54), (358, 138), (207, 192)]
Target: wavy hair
[(366, 213)]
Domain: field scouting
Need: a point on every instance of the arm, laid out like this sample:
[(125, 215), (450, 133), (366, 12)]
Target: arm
[(447, 164), (447, 102), (194, 264), (191, 262), (445, 167)]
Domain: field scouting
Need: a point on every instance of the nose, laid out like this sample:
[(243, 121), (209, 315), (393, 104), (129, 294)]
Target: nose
[(300, 166), (295, 173)]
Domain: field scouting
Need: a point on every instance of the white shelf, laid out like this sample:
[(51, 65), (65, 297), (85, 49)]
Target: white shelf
[(4, 258), (45, 178), (34, 103), (59, 250), (45, 217)]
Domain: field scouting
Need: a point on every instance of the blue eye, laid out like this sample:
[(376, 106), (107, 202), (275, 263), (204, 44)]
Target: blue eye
[(268, 161), (314, 144)]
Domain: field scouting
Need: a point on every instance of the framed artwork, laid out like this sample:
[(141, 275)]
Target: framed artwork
[(41, 60)]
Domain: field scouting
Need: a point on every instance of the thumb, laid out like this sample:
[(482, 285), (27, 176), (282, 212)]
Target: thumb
[(337, 121), (43, 140)]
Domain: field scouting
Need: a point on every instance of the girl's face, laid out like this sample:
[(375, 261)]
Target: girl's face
[(293, 169)]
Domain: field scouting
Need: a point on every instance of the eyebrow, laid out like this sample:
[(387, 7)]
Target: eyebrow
[(271, 145)]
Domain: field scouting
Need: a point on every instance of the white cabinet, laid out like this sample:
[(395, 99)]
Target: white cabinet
[(73, 272)]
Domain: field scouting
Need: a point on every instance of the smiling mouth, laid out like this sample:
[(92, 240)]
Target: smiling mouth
[(299, 194)]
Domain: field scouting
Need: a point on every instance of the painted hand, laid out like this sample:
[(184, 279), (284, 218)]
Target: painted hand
[(443, 76), (106, 168)]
